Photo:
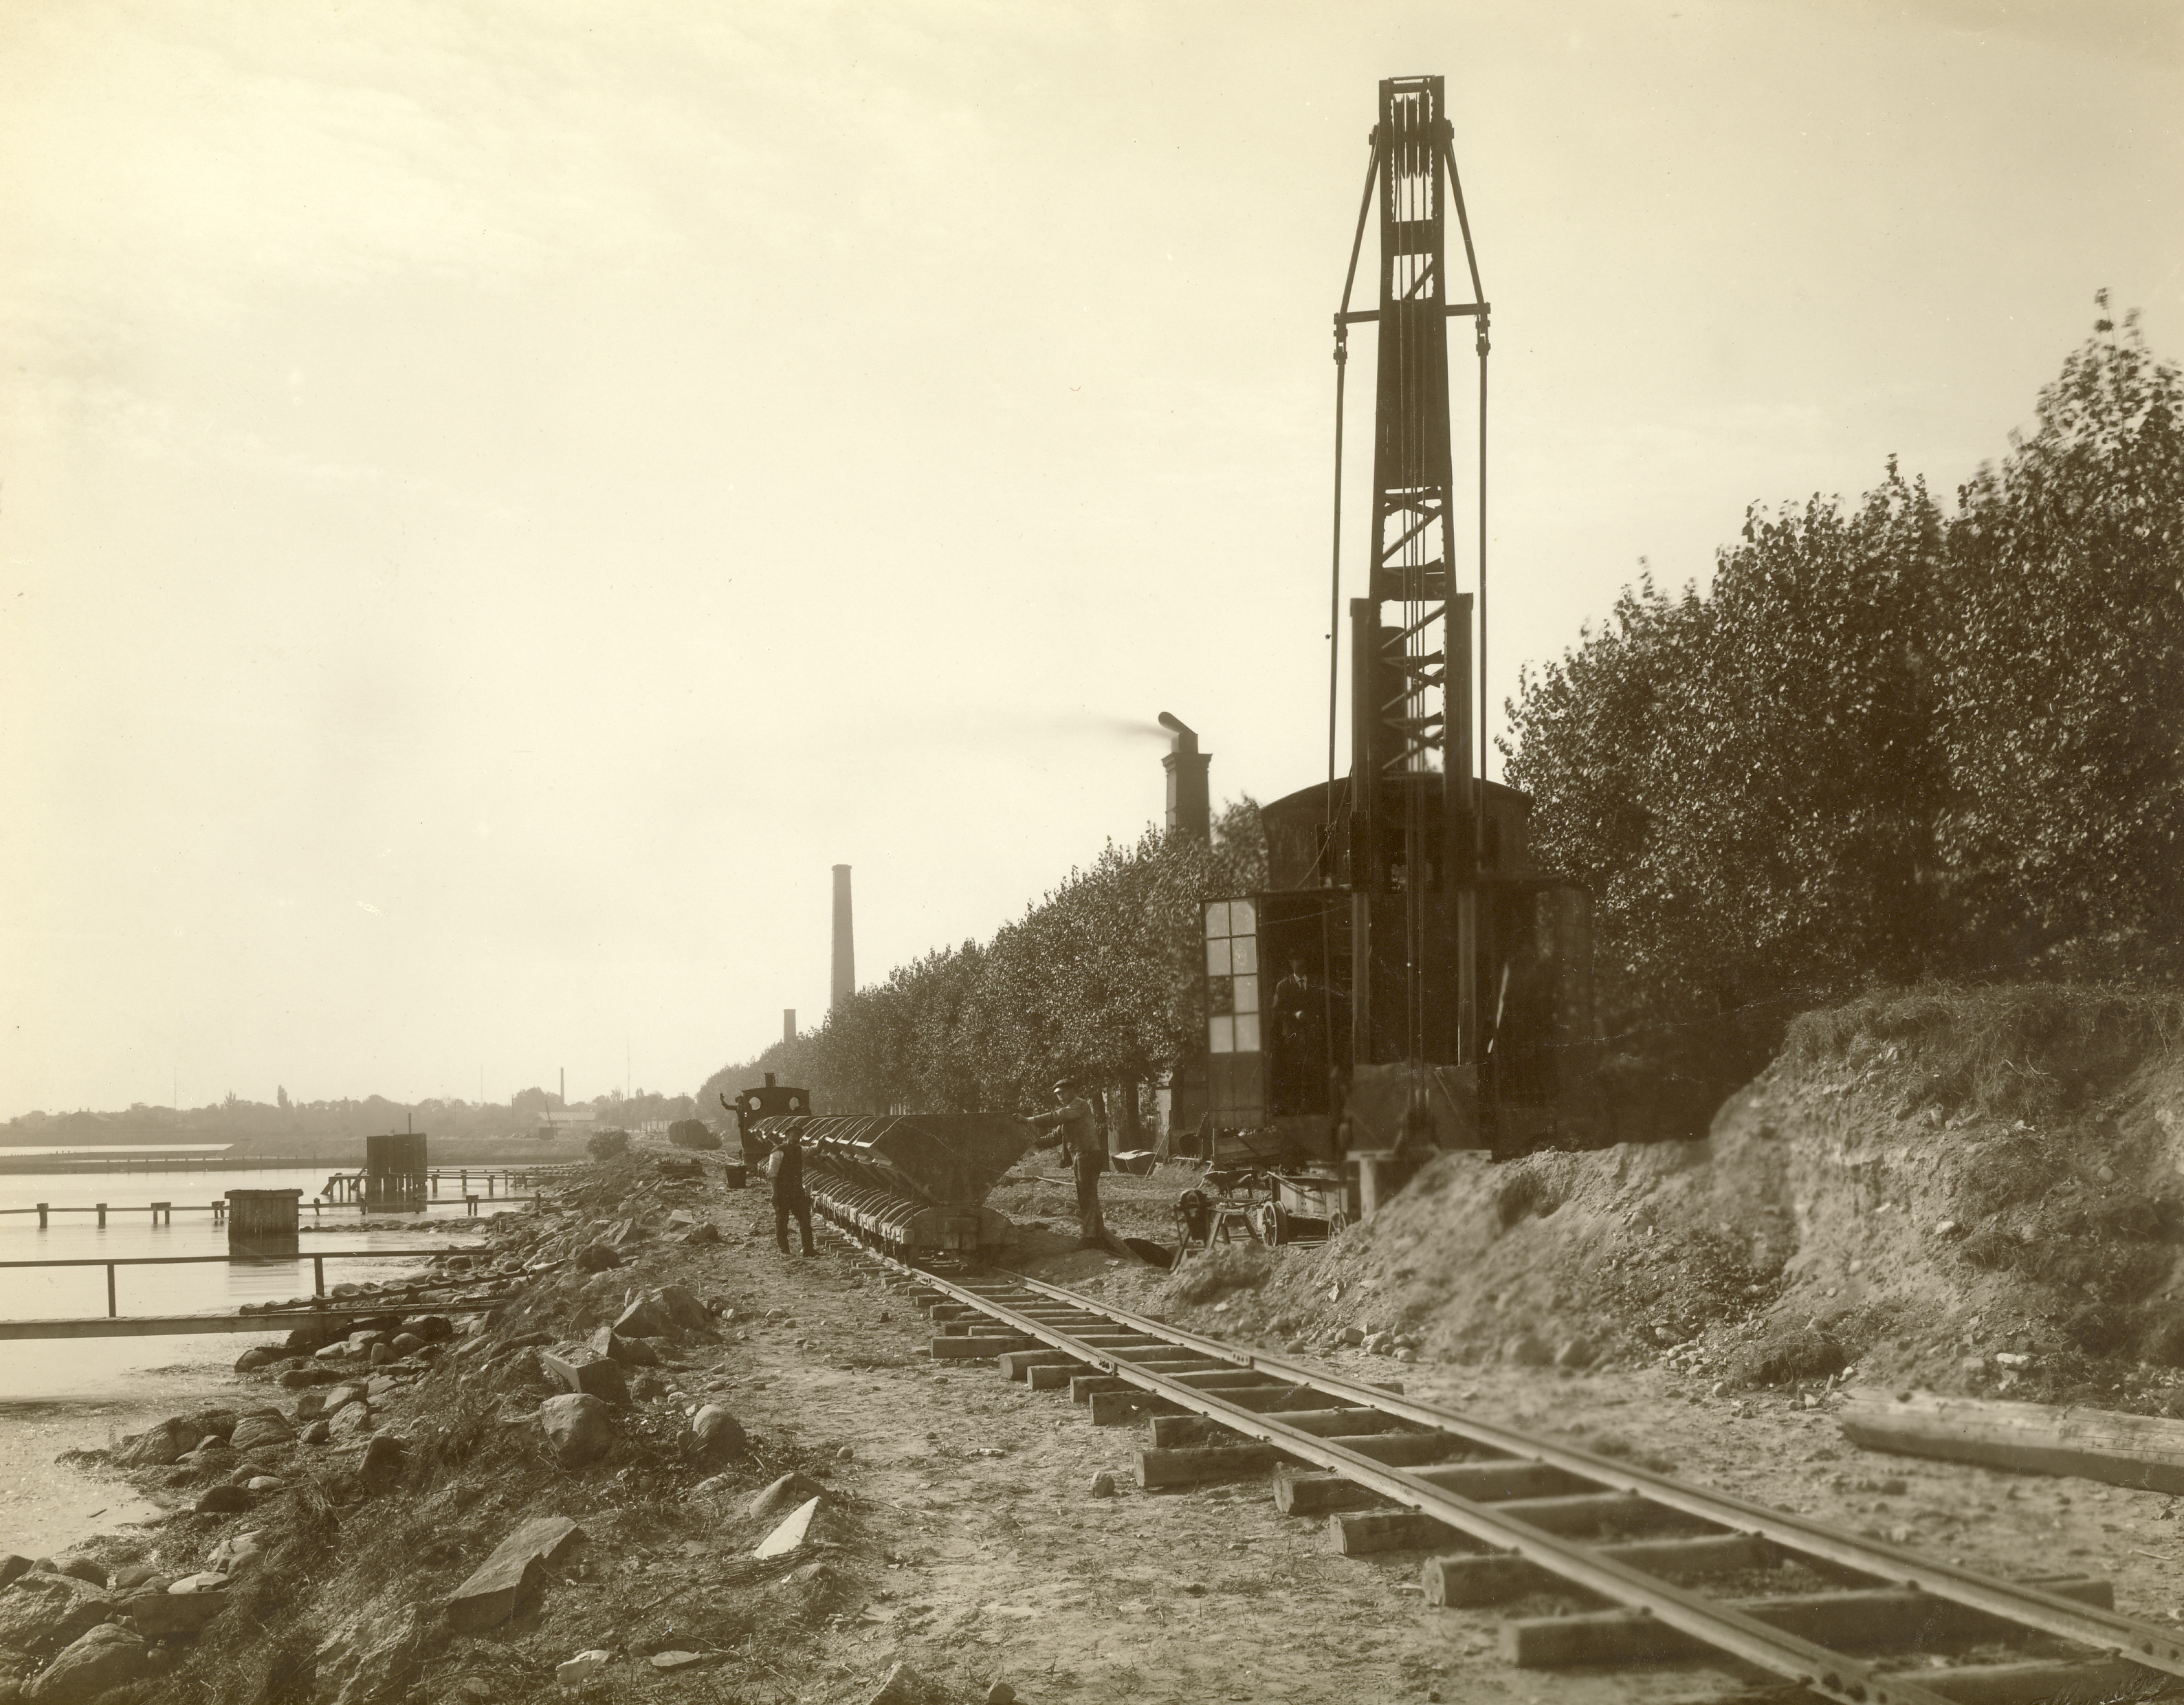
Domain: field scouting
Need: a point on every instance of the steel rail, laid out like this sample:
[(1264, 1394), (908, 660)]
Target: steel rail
[(1727, 1629), (2028, 1606)]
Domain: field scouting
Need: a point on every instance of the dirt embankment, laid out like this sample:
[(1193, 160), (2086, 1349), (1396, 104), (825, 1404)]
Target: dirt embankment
[(1977, 1190)]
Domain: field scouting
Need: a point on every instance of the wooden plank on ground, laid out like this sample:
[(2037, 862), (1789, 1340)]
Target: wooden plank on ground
[(1869, 1618), (1474, 1579), (1358, 1533), (2144, 1451)]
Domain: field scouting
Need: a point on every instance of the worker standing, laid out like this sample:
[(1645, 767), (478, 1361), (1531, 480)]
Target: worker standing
[(1077, 1132), (784, 1168)]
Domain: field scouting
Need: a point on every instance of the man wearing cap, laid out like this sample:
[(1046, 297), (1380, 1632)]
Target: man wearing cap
[(1077, 1132)]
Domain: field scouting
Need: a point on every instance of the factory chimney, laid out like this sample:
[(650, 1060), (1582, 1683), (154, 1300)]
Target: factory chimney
[(845, 952), (788, 1023), (1190, 805)]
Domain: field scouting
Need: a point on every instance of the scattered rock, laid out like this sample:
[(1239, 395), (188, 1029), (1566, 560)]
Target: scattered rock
[(704, 1232), (97, 1662), (643, 1319), (349, 1424), (125, 1580), (792, 1533), (222, 1501), (577, 1427), (428, 1328), (1000, 1693), (1575, 1352), (408, 1343), (263, 1483), (381, 1354), (574, 1672), (1352, 1336), (41, 1613), (261, 1429), (507, 1583), (381, 1659), (1103, 1484), (630, 1352), (314, 1433), (901, 1686), (594, 1377), (258, 1355), (715, 1434), (594, 1257), (683, 1309), (382, 1466), (783, 1495), (81, 1568), (1527, 1350), (185, 1607), (12, 1566)]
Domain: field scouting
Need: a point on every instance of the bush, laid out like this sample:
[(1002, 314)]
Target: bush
[(604, 1146)]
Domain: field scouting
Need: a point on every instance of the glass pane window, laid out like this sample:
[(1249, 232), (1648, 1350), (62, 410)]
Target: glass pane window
[(1216, 918), (1247, 993), (1247, 1032), (1243, 954), (1218, 961), (1221, 1034), (1242, 917)]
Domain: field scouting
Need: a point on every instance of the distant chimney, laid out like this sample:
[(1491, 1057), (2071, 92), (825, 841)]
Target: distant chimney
[(788, 1023), (1190, 806), (845, 952)]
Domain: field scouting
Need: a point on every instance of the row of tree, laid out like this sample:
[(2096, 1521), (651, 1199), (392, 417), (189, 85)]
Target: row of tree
[(1893, 741), (234, 1117), (1100, 978)]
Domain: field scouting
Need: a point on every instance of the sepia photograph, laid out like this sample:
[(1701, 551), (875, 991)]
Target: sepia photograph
[(941, 853)]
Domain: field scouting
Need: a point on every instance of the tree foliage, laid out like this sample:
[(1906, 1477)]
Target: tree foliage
[(1889, 741), (1099, 979)]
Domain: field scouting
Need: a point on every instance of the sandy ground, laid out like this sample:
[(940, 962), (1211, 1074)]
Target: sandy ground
[(965, 1538), (995, 1562)]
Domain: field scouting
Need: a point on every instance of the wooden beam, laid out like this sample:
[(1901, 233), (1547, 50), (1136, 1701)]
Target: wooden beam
[(1873, 1618), (1206, 1462), (2034, 1684), (1200, 1429), (2144, 1452), (1357, 1533), (976, 1346), (1482, 1578), (1120, 1409)]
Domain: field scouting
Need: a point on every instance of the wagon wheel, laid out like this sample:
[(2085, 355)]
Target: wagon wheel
[(1278, 1230), (1337, 1223)]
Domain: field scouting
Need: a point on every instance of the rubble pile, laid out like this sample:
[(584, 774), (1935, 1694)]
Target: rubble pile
[(437, 1480), (1979, 1191)]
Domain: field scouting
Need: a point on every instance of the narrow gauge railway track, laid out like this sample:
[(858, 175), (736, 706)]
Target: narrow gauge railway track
[(1393, 1474)]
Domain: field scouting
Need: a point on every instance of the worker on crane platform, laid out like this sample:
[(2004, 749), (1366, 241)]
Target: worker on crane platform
[(1077, 1133)]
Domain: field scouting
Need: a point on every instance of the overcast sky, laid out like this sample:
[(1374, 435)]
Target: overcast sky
[(495, 500)]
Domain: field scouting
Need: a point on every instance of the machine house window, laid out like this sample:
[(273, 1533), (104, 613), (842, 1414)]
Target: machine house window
[(1231, 976)]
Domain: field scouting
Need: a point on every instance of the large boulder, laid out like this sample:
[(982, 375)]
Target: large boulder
[(644, 1319), (579, 1428), (778, 1497), (381, 1469), (507, 1583), (432, 1328), (311, 1336), (630, 1352), (349, 1424), (155, 1447), (160, 1613), (260, 1355), (43, 1613), (95, 1662), (596, 1258), (12, 1565), (587, 1375), (716, 1435), (261, 1429), (692, 1133), (683, 1309)]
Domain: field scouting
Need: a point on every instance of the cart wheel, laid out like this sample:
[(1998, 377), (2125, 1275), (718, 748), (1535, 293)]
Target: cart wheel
[(1278, 1224), (1337, 1223)]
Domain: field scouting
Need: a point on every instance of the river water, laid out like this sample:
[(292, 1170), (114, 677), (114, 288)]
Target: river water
[(81, 1393)]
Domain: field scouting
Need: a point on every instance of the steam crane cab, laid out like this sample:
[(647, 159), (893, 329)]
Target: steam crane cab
[(772, 1100)]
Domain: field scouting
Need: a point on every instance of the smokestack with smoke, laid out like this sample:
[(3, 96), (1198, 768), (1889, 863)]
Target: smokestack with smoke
[(1190, 796)]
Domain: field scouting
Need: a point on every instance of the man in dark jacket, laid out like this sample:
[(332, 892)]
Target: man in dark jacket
[(1077, 1133), (785, 1167)]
